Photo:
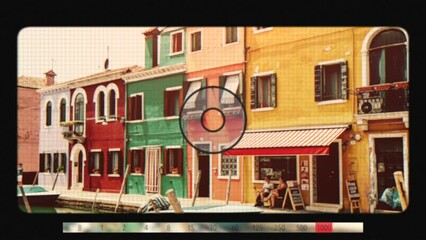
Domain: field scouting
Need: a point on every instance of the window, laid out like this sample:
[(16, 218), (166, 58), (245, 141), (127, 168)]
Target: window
[(176, 42), (173, 161), (45, 162), (154, 51), (79, 114), (259, 29), (100, 106), (137, 161), (197, 100), (231, 83), (331, 81), (228, 163), (172, 101), (59, 161), (388, 57), (96, 162), (63, 110), (231, 35), (135, 107), (49, 113), (263, 91), (195, 41), (114, 162), (112, 105), (275, 167)]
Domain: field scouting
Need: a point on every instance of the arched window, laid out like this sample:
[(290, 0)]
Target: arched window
[(49, 113), (79, 114), (112, 112), (101, 106), (63, 109), (388, 57)]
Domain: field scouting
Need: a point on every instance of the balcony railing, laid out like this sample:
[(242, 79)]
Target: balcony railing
[(73, 130), (383, 98)]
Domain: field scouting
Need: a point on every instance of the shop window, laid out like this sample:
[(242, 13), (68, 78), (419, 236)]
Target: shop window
[(263, 91), (137, 161), (135, 107), (195, 41), (231, 35), (275, 167), (173, 161), (115, 163), (96, 162), (331, 81), (172, 102)]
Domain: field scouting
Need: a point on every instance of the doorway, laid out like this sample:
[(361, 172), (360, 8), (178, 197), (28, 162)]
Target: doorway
[(389, 159), (204, 166), (327, 177), (78, 157), (152, 169)]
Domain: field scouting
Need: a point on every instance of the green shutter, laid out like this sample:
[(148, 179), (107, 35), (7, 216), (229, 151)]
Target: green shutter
[(274, 90), (344, 79), (318, 83), (253, 95)]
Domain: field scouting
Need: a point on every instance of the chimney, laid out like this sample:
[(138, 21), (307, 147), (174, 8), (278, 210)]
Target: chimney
[(50, 77)]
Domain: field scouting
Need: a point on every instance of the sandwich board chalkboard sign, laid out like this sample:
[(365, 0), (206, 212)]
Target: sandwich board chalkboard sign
[(294, 194), (352, 189)]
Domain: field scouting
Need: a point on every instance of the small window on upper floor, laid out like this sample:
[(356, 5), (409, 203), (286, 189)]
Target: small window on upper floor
[(195, 41), (63, 110), (100, 106), (331, 81), (231, 83), (172, 102), (135, 107), (115, 162), (263, 91), (176, 42), (231, 35), (112, 106), (49, 113), (259, 29)]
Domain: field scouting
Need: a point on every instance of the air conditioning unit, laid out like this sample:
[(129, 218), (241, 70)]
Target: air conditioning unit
[(370, 105)]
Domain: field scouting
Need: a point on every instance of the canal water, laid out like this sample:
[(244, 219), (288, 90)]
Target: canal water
[(57, 210)]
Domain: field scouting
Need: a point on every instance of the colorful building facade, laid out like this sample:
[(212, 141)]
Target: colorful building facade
[(303, 108), (215, 58), (155, 148)]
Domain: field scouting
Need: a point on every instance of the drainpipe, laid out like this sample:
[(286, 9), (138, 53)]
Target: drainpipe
[(244, 102), (125, 130)]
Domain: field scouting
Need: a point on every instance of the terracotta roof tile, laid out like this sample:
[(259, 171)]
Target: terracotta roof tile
[(31, 82)]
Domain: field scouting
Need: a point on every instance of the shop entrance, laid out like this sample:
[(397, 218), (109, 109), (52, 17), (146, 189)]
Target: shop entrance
[(327, 177), (389, 159)]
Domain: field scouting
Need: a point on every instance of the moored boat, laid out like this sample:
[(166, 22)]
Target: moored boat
[(38, 196)]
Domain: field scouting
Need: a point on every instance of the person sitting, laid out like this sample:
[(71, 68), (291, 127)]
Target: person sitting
[(277, 192), (266, 189)]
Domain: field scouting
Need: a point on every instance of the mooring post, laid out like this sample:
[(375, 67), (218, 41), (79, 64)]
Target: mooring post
[(197, 187), (228, 189), (24, 198), (122, 186), (174, 201)]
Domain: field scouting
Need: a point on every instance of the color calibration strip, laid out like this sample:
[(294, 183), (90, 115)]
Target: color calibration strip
[(212, 227)]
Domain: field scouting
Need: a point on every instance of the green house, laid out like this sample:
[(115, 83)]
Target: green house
[(156, 149)]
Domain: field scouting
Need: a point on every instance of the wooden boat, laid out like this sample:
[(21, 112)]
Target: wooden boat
[(38, 196)]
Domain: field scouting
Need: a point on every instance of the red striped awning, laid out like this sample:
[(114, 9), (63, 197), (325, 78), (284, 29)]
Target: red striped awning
[(288, 142)]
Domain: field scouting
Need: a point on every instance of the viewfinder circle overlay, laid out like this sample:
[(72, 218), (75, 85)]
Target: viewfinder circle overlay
[(212, 119)]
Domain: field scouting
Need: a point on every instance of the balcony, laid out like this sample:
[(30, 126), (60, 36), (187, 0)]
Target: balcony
[(73, 130), (381, 102)]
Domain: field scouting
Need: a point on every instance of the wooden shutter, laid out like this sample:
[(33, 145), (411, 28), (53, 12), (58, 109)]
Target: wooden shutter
[(49, 157), (142, 160), (180, 160), (318, 83), (154, 51), (253, 90), (41, 163), (55, 162), (109, 162), (130, 104), (101, 162), (64, 161), (222, 81), (166, 168), (344, 79), (138, 107), (181, 96), (274, 90), (91, 162), (166, 103), (120, 163), (130, 160)]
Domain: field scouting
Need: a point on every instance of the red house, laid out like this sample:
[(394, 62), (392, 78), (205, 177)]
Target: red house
[(96, 130)]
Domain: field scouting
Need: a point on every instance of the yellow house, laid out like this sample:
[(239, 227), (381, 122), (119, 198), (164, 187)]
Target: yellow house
[(326, 105)]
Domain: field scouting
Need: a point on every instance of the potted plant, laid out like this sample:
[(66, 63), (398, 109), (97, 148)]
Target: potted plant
[(175, 170), (138, 170), (115, 171), (95, 170)]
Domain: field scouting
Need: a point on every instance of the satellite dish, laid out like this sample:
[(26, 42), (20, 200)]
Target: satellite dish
[(106, 64)]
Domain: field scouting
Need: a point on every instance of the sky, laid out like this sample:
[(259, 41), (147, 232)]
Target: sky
[(78, 51)]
